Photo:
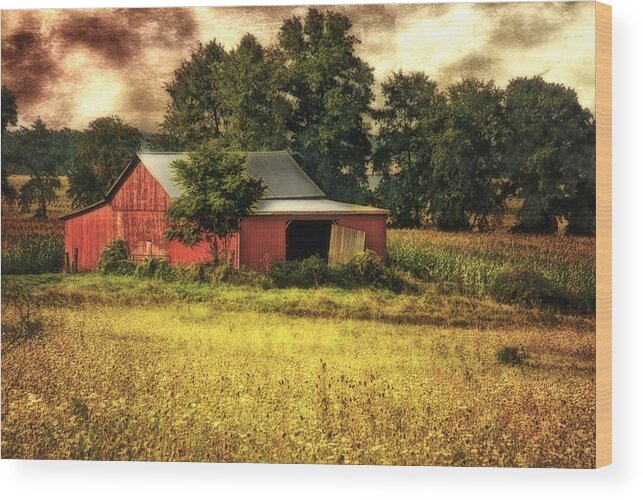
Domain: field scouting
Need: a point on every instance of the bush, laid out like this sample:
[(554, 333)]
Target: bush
[(34, 256), (115, 259), (519, 285), (511, 355), (155, 267), (307, 273), (366, 269)]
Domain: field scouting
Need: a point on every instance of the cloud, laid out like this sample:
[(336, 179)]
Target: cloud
[(71, 66)]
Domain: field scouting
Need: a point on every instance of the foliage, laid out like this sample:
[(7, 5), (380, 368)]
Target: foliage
[(519, 285), (33, 255), (366, 269), (216, 195), (31, 149), (473, 261), (551, 154), (410, 117), (304, 273), (154, 267), (511, 355), (103, 151), (330, 89), (115, 259), (9, 108), (231, 97), (467, 158)]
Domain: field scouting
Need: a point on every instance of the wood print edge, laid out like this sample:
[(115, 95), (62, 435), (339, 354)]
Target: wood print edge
[(603, 234)]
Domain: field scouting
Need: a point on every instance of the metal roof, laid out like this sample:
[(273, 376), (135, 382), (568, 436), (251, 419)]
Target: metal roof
[(289, 189), (281, 174), (317, 206)]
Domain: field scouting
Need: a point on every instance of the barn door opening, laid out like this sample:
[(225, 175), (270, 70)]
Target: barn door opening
[(344, 243), (305, 238)]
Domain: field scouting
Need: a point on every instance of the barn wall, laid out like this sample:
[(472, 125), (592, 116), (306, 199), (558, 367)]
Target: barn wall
[(141, 191), (139, 208), (263, 237), (89, 232), (181, 254)]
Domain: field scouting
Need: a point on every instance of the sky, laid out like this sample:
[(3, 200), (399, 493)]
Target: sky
[(71, 66)]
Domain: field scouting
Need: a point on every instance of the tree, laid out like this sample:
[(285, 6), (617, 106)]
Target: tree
[(232, 97), (330, 89), (550, 154), (467, 158), (30, 150), (217, 194), (102, 152), (411, 116), (9, 117), (194, 113), (253, 104), (9, 108)]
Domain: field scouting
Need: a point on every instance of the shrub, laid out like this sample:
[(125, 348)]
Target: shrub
[(366, 269), (154, 267), (306, 273), (31, 255), (511, 355), (520, 285), (115, 259)]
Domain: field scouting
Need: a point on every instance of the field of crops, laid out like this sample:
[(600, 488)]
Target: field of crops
[(474, 260), (139, 369), (59, 207)]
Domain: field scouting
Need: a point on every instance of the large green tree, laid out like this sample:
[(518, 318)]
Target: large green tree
[(412, 114), (330, 90), (30, 150), (550, 154), (195, 112), (217, 194), (102, 152), (467, 158), (9, 117), (232, 97)]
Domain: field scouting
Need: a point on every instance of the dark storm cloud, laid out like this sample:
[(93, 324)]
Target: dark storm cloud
[(120, 35), (476, 65), (530, 25), (29, 68)]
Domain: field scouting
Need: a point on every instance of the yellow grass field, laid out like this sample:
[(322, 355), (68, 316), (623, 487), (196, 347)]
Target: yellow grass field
[(143, 370)]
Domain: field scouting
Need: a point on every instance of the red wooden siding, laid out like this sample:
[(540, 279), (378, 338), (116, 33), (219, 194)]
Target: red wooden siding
[(263, 237), (181, 254), (89, 233), (139, 208)]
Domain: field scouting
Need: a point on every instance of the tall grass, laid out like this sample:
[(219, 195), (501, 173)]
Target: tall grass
[(33, 255)]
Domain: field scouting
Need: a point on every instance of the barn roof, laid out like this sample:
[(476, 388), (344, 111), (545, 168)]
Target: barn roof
[(281, 174), (289, 189)]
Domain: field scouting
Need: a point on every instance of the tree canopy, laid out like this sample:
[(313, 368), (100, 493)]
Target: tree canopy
[(550, 152), (102, 152), (30, 149)]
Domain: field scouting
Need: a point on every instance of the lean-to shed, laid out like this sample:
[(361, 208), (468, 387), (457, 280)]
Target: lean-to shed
[(293, 220)]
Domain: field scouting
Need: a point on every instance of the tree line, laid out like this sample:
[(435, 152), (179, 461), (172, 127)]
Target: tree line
[(451, 158)]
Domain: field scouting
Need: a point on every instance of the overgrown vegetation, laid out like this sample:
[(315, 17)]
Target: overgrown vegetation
[(33, 255), (292, 375), (115, 259), (547, 270)]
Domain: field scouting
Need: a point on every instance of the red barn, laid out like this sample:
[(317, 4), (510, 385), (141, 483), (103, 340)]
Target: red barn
[(293, 220)]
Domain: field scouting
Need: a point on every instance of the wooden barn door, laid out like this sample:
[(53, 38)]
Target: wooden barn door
[(344, 243)]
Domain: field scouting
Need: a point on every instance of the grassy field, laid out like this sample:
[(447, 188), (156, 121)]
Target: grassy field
[(146, 370)]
